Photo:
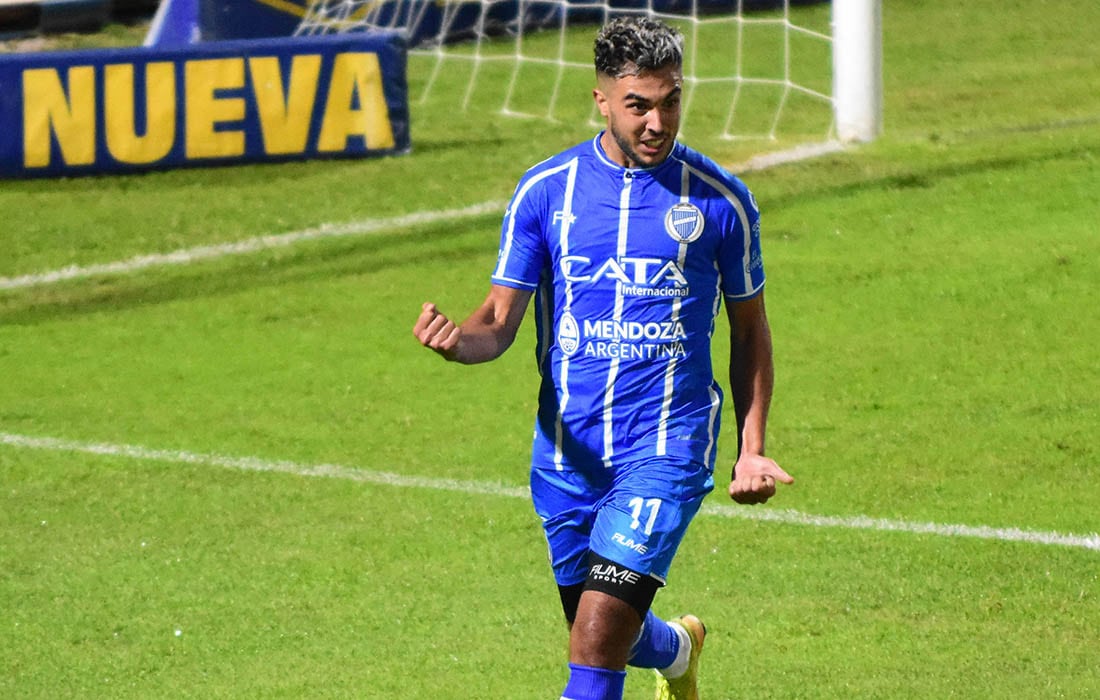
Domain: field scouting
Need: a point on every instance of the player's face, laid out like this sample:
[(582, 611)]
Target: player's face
[(643, 116)]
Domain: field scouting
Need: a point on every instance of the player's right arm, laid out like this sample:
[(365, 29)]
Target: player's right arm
[(484, 336)]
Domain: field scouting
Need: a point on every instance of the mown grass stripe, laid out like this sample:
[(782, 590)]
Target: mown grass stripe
[(187, 256), (336, 471)]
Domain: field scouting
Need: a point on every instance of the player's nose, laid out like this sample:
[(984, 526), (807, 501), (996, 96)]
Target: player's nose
[(654, 122)]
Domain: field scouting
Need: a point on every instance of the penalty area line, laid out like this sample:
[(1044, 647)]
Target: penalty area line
[(335, 471), (186, 256)]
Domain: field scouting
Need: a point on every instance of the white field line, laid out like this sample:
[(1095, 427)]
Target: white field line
[(335, 471), (186, 256), (807, 151)]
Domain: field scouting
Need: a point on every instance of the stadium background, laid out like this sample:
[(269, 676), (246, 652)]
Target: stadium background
[(238, 477)]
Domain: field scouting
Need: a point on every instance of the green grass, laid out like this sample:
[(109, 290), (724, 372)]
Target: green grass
[(934, 302)]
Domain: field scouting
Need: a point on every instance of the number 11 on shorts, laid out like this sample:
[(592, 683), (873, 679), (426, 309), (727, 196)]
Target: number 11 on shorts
[(654, 505)]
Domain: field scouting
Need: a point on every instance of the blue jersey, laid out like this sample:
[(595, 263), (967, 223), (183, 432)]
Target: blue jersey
[(628, 267)]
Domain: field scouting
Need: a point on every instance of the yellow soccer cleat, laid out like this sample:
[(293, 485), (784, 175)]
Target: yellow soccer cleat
[(686, 686)]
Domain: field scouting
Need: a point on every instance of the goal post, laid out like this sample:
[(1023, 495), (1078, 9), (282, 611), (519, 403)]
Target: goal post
[(788, 72), (857, 69)]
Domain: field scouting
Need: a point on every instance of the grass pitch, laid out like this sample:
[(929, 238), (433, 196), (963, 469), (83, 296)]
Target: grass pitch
[(934, 302)]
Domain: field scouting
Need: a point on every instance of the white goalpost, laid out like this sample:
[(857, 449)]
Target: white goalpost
[(754, 69), (857, 69)]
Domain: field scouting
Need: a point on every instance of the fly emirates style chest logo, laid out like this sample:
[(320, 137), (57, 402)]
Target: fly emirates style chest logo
[(624, 338)]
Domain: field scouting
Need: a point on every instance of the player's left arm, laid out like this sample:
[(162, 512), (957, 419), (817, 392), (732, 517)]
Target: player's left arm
[(752, 376)]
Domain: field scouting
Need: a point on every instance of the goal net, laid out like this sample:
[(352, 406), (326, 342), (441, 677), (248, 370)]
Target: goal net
[(755, 71)]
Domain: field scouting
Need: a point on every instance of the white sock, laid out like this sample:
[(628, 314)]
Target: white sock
[(680, 666)]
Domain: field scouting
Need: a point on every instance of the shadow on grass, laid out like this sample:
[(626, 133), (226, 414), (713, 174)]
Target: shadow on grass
[(359, 257), (927, 177)]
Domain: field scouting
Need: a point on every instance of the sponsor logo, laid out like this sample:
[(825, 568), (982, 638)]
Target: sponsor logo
[(561, 217), (755, 262), (609, 573), (146, 112), (632, 351), (629, 543), (569, 337), (639, 276), (633, 330), (617, 339), (684, 222), (635, 291)]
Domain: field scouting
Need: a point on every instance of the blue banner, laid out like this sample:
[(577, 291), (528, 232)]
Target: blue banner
[(249, 19), (126, 110), (175, 24)]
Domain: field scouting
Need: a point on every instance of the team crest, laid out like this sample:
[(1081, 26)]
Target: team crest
[(684, 222)]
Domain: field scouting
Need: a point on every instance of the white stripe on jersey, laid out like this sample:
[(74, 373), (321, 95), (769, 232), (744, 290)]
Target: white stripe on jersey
[(744, 219), (509, 236), (715, 400), (677, 304), (746, 244), (617, 316), (566, 225)]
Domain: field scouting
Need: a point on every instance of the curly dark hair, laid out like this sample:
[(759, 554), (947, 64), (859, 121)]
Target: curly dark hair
[(631, 44)]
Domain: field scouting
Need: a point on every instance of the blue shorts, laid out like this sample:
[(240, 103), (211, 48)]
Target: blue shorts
[(635, 515)]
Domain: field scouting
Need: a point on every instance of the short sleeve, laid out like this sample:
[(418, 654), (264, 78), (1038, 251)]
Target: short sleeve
[(523, 254), (740, 260)]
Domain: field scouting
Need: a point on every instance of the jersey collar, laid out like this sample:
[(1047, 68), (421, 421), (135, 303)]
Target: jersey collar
[(602, 156)]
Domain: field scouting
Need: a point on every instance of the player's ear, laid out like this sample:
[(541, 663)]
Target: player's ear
[(601, 101)]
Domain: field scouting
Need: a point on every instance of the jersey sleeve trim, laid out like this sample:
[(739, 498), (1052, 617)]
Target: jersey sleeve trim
[(513, 246), (747, 295), (515, 284)]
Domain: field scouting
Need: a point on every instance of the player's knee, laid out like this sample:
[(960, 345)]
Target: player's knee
[(632, 587), (570, 600)]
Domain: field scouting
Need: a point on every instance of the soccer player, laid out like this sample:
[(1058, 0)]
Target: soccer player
[(630, 244)]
